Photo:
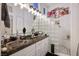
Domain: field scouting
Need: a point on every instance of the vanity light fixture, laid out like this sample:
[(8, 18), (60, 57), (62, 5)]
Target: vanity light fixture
[(31, 9)]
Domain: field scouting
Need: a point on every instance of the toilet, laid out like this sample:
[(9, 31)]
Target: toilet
[(60, 52)]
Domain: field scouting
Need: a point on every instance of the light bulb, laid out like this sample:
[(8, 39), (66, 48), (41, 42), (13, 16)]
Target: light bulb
[(38, 14), (30, 10), (35, 12), (21, 5), (26, 6), (15, 4)]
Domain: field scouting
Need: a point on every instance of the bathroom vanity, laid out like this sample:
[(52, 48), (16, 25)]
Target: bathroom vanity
[(36, 46), (37, 49)]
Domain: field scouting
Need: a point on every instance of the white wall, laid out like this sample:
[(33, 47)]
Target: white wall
[(74, 28), (58, 35), (69, 25)]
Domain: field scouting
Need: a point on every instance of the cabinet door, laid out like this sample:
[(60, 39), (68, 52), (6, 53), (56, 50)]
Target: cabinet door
[(39, 48), (31, 50), (28, 51), (42, 47)]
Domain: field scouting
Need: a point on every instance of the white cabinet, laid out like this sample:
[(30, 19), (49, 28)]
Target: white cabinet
[(28, 51), (38, 49)]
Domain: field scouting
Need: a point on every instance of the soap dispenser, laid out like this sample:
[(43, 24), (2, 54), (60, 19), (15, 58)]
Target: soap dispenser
[(24, 31)]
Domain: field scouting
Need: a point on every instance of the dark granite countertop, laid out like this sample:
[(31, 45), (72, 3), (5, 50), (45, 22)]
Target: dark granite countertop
[(26, 44)]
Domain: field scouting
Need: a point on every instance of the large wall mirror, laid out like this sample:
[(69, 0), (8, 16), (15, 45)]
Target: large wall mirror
[(21, 18)]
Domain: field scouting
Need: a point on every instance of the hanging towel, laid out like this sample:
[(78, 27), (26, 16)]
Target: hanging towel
[(5, 15)]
